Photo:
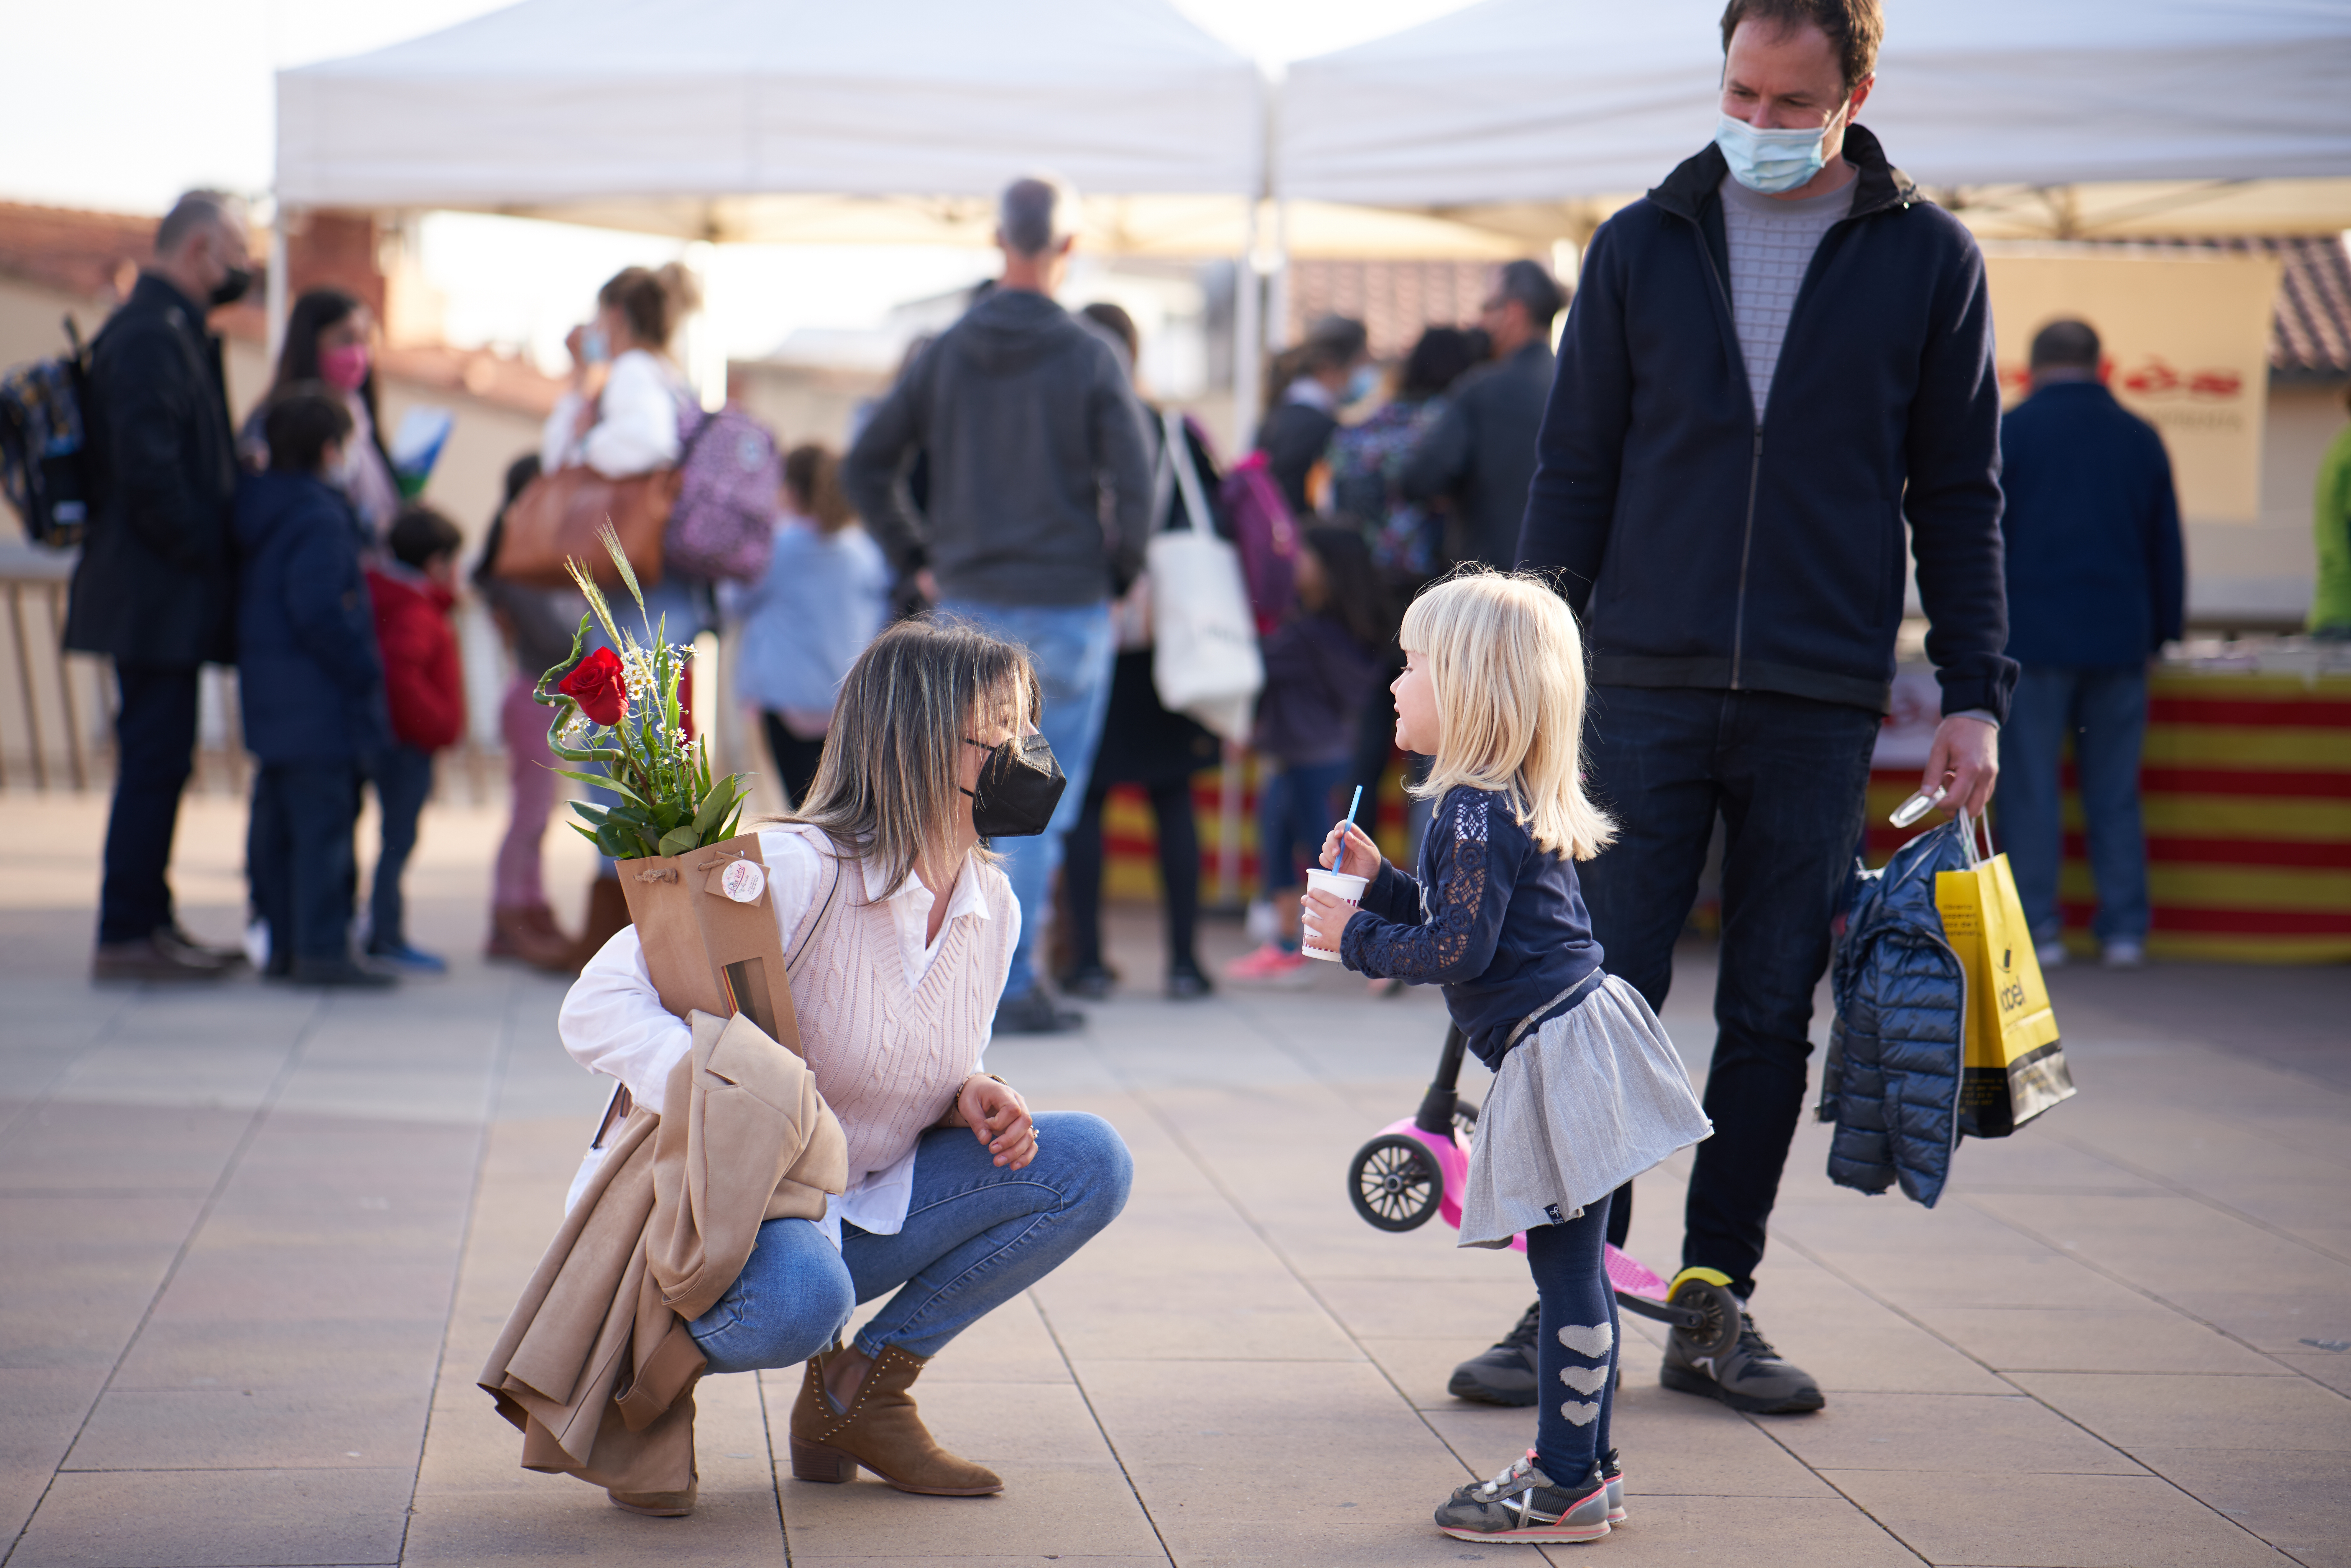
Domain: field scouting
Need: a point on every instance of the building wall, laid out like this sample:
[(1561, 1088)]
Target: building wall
[(2258, 576)]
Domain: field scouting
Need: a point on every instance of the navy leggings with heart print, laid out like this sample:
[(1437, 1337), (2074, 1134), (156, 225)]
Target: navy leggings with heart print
[(1575, 1358)]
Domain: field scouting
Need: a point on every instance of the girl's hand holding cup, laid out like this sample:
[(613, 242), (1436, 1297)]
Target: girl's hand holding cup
[(1332, 894)]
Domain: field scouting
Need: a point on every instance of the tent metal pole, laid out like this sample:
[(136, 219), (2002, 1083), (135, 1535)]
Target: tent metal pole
[(273, 295), (1277, 308), (1248, 338)]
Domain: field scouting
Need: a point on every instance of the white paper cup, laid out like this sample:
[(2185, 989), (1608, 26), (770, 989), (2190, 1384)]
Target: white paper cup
[(1339, 886)]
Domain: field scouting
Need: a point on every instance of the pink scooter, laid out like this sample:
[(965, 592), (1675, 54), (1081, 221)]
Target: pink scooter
[(1416, 1169)]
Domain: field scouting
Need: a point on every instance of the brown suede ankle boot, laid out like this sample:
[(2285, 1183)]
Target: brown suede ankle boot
[(881, 1431), (657, 1504)]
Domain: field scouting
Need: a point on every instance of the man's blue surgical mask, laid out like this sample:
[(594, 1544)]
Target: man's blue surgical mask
[(1361, 382), (592, 346), (1771, 162)]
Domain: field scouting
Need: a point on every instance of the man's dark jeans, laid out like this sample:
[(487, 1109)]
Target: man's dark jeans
[(155, 745), (1787, 776), (301, 864), (404, 777)]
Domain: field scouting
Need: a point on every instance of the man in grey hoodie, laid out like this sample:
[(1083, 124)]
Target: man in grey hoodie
[(1038, 502)]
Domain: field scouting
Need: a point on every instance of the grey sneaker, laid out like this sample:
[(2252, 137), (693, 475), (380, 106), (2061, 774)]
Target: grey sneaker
[(1747, 1376), (1522, 1504), (1612, 1471), (1506, 1373)]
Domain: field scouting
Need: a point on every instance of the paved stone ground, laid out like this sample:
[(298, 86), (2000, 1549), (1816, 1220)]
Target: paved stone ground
[(254, 1244)]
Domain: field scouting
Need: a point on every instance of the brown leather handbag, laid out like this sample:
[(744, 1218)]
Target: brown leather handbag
[(559, 516)]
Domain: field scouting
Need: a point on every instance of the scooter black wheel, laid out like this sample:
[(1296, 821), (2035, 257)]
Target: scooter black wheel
[(1394, 1183), (1717, 1310)]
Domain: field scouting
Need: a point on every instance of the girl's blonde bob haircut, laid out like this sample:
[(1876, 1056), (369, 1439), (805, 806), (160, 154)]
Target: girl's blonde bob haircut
[(886, 788), (1505, 660)]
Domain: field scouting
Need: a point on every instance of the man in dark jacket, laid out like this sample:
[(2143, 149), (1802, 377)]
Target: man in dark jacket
[(1033, 437), (310, 688), (2095, 584), (1479, 456), (1773, 361), (155, 588)]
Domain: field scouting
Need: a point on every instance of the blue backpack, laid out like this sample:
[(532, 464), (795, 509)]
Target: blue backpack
[(43, 444)]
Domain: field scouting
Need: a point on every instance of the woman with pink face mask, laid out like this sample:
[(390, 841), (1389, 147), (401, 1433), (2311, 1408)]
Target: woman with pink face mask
[(330, 338)]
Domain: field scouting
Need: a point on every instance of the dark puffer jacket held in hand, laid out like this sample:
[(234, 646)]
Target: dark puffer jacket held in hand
[(1896, 1050), (1027, 419)]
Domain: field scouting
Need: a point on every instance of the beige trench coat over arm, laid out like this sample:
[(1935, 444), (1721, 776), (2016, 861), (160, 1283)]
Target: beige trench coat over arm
[(595, 1365)]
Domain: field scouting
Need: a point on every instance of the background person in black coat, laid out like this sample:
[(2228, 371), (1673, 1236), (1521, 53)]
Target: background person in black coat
[(310, 682), (2096, 585), (1312, 381), (1479, 456), (155, 590)]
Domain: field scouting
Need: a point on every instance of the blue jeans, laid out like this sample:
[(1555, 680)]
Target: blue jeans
[(2104, 712), (404, 777), (976, 1235), (298, 856), (1073, 650), (1787, 776), (155, 747), (1294, 816)]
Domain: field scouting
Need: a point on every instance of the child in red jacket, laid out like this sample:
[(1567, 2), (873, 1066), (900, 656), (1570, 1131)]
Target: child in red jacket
[(424, 685)]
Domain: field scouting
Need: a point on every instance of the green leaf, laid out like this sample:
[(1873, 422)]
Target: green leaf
[(570, 663), (616, 840), (714, 807), (597, 782), (677, 841), (584, 834), (592, 812), (728, 830)]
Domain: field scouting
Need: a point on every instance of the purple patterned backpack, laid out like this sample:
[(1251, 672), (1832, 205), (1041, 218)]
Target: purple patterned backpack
[(730, 482)]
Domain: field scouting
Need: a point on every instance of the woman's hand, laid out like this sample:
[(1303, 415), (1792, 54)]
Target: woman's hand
[(1349, 851), (999, 1118)]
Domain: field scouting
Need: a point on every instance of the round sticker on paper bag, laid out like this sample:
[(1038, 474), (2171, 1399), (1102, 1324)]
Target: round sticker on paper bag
[(744, 881)]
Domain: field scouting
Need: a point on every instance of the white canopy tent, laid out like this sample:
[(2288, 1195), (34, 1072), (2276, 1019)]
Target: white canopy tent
[(2032, 117), (882, 121)]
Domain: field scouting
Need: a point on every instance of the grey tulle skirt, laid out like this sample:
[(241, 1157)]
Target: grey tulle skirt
[(1595, 1098)]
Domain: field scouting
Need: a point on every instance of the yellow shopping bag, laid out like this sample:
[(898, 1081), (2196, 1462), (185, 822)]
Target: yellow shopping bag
[(2015, 1067)]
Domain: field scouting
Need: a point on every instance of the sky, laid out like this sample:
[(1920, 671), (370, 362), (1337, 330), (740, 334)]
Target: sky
[(119, 105)]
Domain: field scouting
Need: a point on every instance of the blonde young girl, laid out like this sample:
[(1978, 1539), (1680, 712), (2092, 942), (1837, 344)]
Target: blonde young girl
[(1588, 1090)]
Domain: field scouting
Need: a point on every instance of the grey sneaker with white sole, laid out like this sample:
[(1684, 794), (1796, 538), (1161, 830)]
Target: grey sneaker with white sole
[(1523, 1505)]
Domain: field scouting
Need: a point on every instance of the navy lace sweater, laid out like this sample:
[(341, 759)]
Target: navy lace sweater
[(1497, 921)]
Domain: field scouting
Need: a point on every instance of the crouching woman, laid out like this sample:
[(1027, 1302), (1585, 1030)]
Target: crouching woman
[(898, 930)]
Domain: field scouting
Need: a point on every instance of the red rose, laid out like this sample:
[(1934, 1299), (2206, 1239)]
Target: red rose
[(598, 686)]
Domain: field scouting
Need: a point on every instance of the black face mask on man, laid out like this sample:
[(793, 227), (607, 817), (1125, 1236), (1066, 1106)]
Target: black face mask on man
[(233, 288), (1019, 785)]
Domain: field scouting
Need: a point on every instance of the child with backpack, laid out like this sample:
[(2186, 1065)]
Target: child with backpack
[(310, 686), (1321, 666), (1588, 1092), (415, 587)]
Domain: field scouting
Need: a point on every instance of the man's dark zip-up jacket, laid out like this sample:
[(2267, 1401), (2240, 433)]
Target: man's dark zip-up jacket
[(1703, 548)]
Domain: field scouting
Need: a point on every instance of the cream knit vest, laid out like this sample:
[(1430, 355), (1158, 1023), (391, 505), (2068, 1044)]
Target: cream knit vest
[(887, 1058)]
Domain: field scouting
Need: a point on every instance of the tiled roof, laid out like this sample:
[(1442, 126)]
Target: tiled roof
[(1393, 299), (2310, 336)]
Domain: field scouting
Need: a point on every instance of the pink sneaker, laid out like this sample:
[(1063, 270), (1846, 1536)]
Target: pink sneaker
[(1271, 964)]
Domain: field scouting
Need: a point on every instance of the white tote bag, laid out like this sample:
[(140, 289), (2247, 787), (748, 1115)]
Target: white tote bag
[(1205, 662)]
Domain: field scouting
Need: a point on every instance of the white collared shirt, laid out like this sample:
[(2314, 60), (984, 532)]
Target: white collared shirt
[(613, 1022)]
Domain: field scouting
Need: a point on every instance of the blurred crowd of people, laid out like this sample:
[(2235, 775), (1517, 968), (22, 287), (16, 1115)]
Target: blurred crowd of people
[(1011, 477)]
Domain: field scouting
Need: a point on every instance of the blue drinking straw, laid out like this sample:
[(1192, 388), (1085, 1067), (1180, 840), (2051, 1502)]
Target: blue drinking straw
[(1353, 804)]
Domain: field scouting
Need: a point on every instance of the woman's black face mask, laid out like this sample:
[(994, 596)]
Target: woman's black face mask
[(1019, 785)]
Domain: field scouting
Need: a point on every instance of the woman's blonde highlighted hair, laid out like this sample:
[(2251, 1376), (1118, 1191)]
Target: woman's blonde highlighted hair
[(886, 790), (1505, 659)]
